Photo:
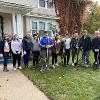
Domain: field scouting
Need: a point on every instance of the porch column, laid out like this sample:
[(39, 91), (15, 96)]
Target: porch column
[(20, 25), (14, 23)]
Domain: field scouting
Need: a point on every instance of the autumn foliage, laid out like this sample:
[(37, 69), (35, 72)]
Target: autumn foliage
[(70, 13)]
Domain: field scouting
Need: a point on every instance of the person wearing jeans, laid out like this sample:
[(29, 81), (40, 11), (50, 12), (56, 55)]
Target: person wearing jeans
[(86, 46), (67, 42), (5, 48), (27, 48), (16, 47), (96, 47), (45, 44)]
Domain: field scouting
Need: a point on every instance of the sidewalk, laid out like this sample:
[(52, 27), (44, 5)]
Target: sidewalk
[(15, 86)]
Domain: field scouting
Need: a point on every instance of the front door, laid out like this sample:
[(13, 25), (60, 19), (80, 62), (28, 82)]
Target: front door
[(1, 27)]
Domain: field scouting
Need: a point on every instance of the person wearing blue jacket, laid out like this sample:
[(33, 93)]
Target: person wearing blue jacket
[(45, 44), (96, 48), (27, 48)]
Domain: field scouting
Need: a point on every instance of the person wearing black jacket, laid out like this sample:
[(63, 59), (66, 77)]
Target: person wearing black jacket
[(27, 48), (75, 47), (5, 49), (96, 47), (86, 46)]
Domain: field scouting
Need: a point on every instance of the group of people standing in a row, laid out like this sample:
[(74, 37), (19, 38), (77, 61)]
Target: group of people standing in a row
[(46, 46)]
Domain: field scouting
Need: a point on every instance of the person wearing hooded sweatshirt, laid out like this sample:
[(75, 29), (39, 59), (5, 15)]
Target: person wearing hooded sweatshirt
[(27, 48), (45, 44), (55, 50), (96, 47), (35, 50), (67, 42)]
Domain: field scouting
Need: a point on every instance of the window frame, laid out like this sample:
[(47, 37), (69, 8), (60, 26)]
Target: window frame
[(46, 5), (32, 27)]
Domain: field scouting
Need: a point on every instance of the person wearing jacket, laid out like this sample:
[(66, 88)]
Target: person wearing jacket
[(55, 49), (16, 47), (75, 47), (5, 49), (35, 49), (45, 44), (27, 48), (67, 42), (96, 47), (86, 46)]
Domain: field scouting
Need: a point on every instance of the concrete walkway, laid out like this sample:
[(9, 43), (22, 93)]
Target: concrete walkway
[(15, 86)]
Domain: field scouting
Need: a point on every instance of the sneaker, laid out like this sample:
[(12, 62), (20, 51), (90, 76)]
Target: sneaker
[(46, 66), (96, 63), (14, 69), (72, 64), (53, 66), (41, 70), (56, 64), (20, 67), (87, 65)]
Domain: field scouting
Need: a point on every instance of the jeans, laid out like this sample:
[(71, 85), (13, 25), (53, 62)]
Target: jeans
[(5, 56), (85, 56), (54, 58), (43, 58), (26, 58), (74, 53), (67, 53), (15, 58)]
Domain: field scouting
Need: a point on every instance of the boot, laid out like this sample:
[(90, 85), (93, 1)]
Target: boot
[(5, 69)]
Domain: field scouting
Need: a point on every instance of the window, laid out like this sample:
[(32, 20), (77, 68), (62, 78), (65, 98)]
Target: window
[(34, 27), (46, 3), (49, 4), (42, 3), (49, 28), (41, 28)]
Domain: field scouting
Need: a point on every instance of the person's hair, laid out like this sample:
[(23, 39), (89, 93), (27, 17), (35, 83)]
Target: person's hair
[(45, 31), (5, 35), (34, 35), (96, 32), (85, 31), (14, 37)]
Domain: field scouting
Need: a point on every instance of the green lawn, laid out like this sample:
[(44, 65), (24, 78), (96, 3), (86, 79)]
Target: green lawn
[(67, 83)]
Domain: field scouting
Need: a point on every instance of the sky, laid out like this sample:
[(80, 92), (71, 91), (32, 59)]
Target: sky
[(96, 0)]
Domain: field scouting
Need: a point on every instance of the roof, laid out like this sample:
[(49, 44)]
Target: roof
[(22, 7)]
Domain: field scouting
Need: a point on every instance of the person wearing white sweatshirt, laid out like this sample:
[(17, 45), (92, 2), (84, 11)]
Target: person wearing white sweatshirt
[(66, 43), (16, 47)]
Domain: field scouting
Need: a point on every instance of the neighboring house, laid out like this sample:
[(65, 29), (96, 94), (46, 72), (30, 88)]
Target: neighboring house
[(21, 16)]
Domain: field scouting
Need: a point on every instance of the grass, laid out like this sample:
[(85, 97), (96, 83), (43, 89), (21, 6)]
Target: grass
[(67, 83)]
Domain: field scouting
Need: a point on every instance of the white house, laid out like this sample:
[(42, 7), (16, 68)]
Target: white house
[(33, 16)]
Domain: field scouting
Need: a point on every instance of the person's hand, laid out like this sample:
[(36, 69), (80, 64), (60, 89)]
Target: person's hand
[(1, 55), (16, 52), (81, 47), (48, 46), (24, 52)]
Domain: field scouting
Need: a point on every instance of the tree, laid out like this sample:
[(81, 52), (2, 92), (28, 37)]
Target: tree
[(70, 14), (93, 22)]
